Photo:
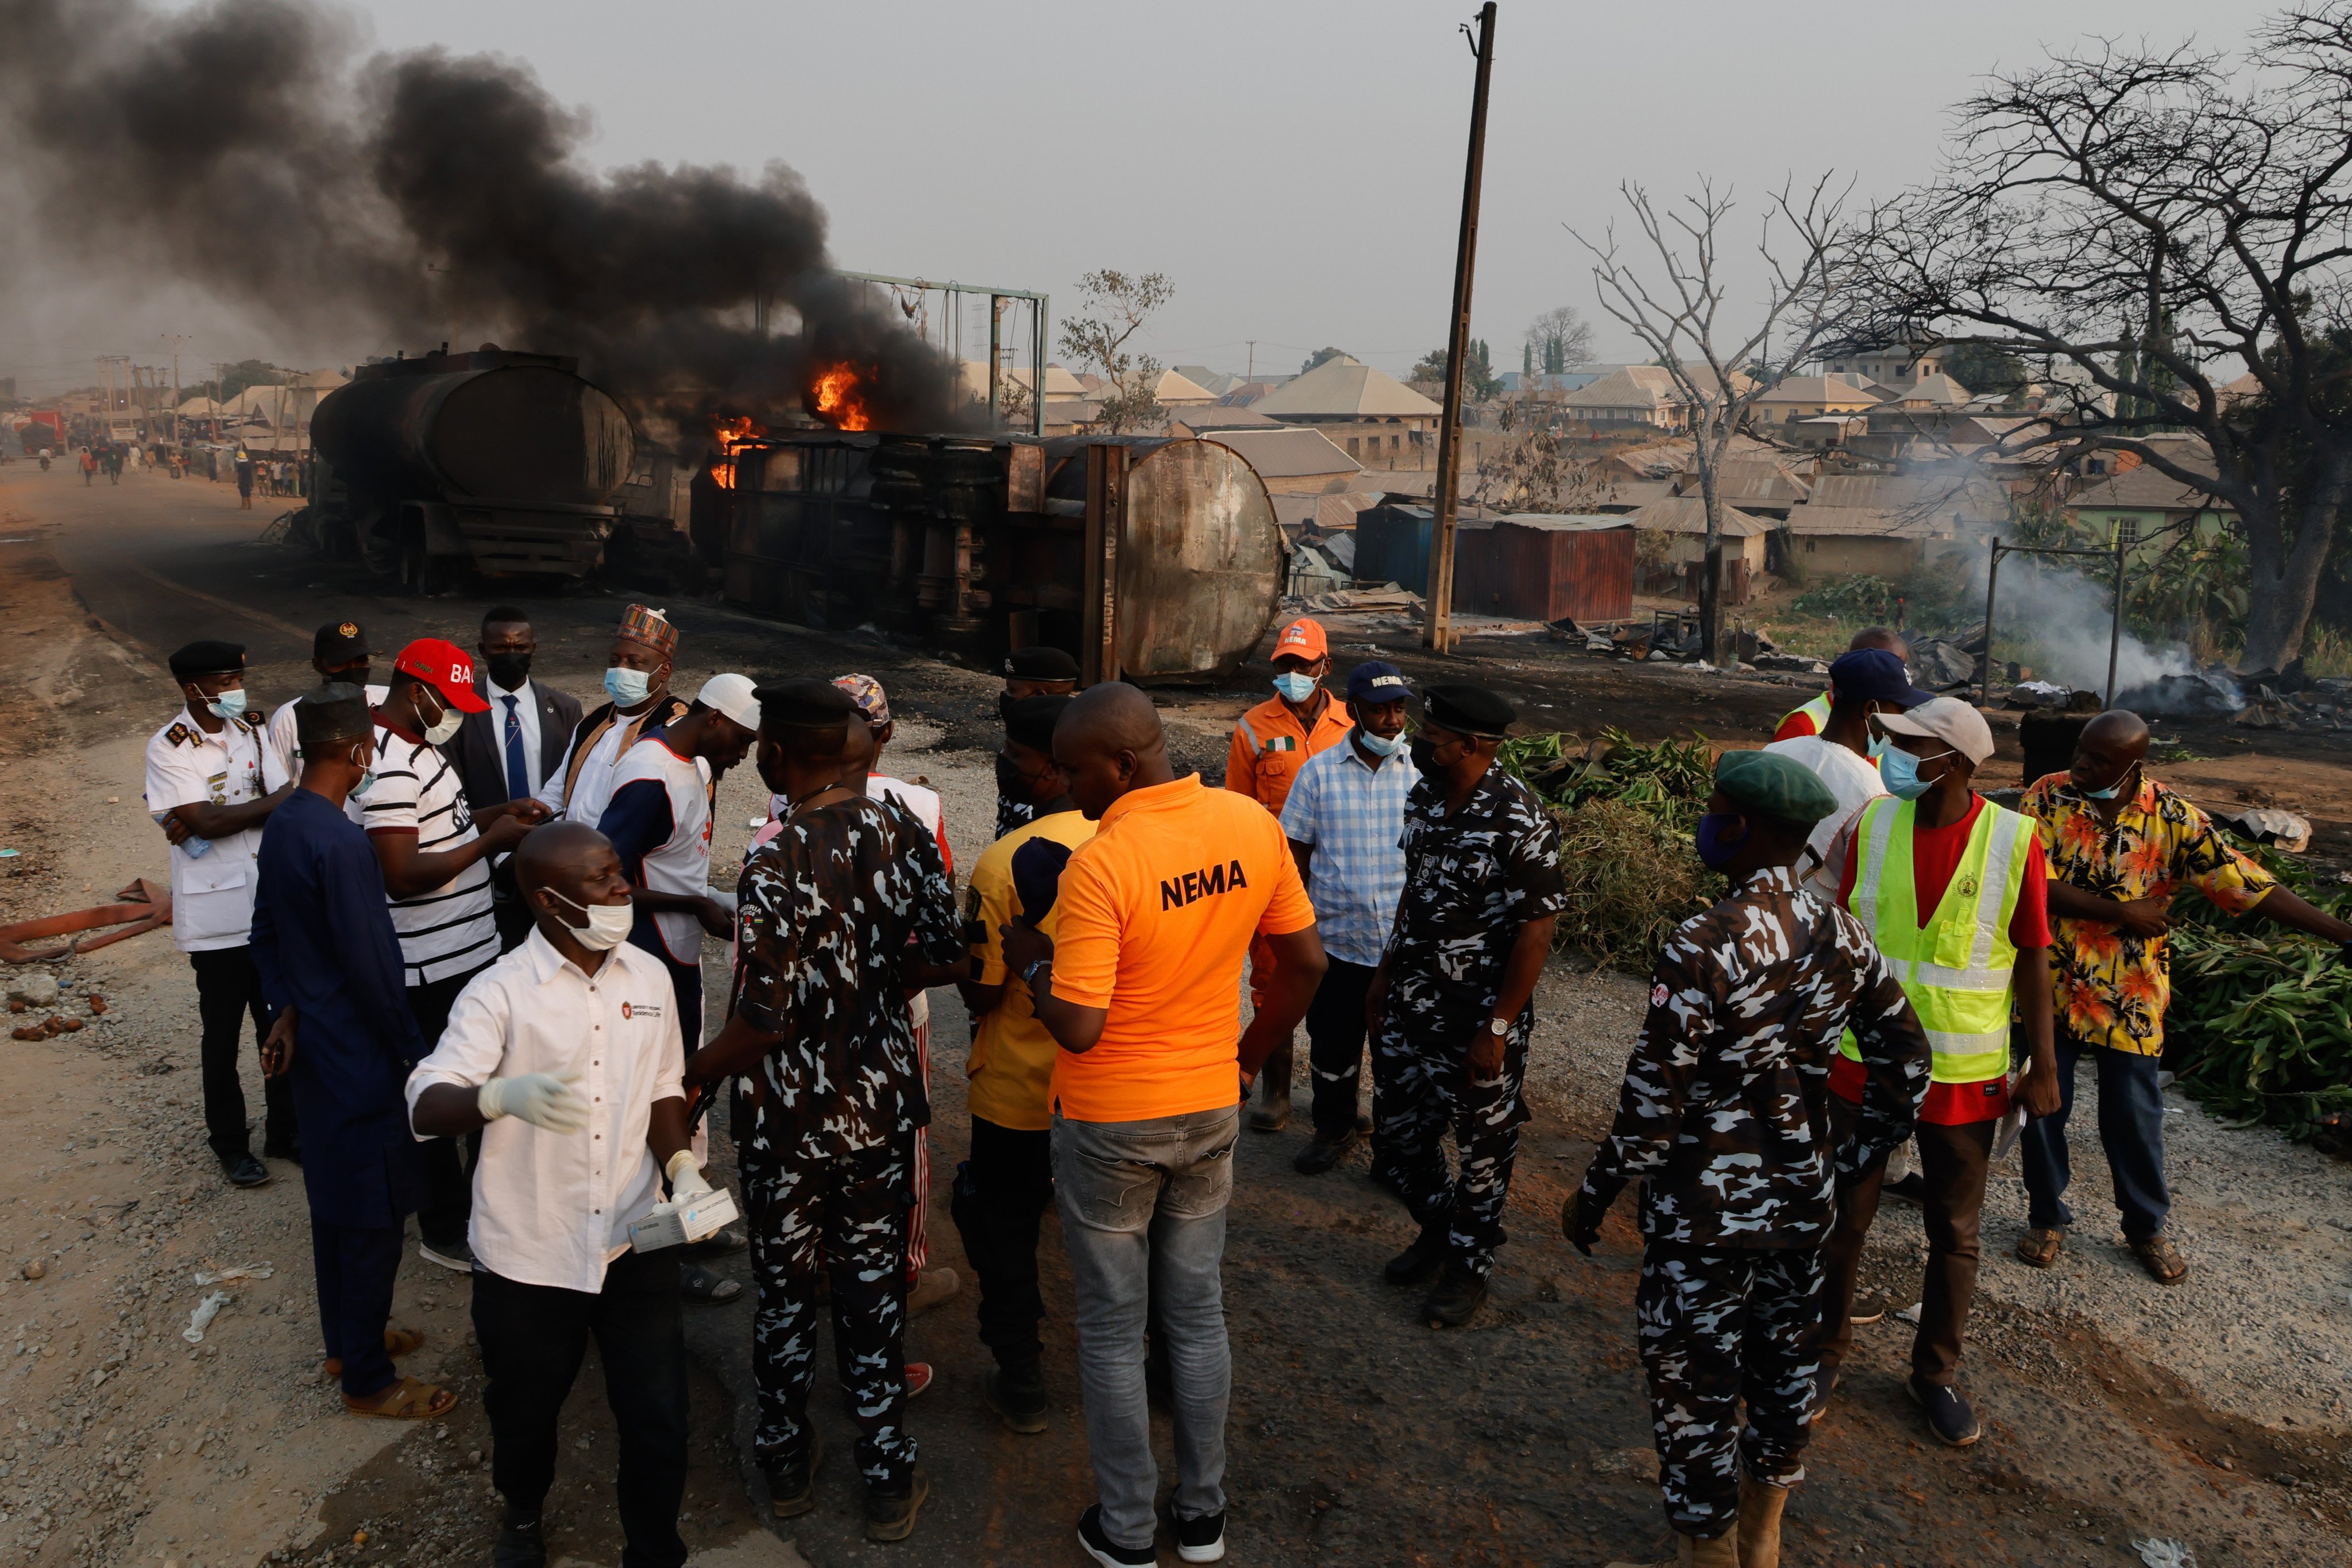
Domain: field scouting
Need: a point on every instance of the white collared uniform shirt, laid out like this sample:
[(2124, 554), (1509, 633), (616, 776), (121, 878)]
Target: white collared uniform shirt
[(554, 1208), (287, 746), (212, 894)]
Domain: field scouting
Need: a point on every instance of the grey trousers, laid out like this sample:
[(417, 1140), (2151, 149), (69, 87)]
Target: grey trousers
[(1143, 1222)]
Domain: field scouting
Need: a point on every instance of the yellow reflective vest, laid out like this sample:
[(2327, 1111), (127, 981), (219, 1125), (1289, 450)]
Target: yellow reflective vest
[(1956, 968), (1818, 710)]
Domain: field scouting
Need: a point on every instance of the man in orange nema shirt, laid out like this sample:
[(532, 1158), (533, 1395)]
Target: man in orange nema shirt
[(1138, 989), (1271, 743)]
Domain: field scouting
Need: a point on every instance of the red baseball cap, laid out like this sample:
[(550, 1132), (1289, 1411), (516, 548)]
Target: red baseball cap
[(446, 668)]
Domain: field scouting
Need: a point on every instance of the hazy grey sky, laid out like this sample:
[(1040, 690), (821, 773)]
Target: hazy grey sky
[(1295, 167)]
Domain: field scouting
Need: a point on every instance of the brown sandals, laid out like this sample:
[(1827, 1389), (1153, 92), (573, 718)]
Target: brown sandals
[(407, 1400), (396, 1341), (2163, 1260), (2039, 1247)]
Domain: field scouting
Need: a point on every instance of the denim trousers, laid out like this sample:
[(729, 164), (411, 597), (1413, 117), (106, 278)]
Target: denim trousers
[(2131, 1130), (1143, 1222)]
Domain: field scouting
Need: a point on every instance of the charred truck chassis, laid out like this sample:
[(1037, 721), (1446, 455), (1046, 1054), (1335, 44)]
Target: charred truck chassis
[(1146, 558)]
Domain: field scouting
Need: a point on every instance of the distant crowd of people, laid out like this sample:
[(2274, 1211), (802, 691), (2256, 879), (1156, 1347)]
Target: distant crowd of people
[(254, 473)]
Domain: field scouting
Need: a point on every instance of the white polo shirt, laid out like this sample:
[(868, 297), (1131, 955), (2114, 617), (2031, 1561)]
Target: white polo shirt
[(212, 894), (1853, 779), (554, 1208), (287, 747)]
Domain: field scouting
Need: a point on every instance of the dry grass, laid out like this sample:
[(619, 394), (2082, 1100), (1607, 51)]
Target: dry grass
[(1631, 881)]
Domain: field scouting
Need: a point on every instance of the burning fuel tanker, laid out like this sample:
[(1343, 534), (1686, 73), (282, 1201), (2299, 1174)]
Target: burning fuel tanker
[(489, 461)]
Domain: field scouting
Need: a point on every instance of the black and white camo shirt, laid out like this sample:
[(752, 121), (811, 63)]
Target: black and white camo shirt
[(1724, 1115)]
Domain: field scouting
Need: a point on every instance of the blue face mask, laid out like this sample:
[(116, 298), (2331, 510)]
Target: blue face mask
[(1380, 745), (2111, 791), (627, 687), (1713, 846), (1878, 748), (229, 704), (1899, 770), (1295, 688)]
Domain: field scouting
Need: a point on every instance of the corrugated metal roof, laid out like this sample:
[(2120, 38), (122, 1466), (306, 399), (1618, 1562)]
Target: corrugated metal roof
[(1344, 388), (2147, 487), (1939, 389), (1219, 417), (1567, 522), (1861, 520), (1818, 389), (1287, 454), (1687, 514), (1641, 386), (1176, 389)]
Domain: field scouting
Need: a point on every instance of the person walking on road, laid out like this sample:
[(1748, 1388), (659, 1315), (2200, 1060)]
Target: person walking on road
[(243, 482), (1002, 1193), (1155, 914), (344, 1040), (1725, 1119), (636, 682), (212, 784), (1029, 673), (1452, 1002), (563, 1058), (88, 467), (1270, 743), (2120, 844), (1344, 821)]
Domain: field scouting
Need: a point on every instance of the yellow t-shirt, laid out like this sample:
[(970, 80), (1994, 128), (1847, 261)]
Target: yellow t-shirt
[(1154, 915), (1012, 1062)]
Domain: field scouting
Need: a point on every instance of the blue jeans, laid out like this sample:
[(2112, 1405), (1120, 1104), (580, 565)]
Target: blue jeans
[(1143, 1222), (2131, 1130)]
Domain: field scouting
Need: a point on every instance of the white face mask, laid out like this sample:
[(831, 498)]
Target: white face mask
[(442, 731), (608, 924)]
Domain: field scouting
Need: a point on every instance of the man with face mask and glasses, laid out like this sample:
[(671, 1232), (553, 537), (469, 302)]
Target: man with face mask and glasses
[(636, 682), (212, 782), (2120, 844), (435, 857), (1952, 890), (344, 1040)]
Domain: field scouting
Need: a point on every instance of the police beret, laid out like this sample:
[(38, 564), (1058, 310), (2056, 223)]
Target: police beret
[(804, 705), (1031, 720), (1376, 682), (1040, 664), (207, 659), (340, 642), (1775, 786), (337, 711), (1470, 710)]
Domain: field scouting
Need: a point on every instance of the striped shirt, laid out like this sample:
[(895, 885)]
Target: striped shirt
[(1354, 816), (449, 931)]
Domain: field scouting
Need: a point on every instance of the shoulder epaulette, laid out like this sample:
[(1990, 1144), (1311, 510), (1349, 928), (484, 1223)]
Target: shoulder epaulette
[(252, 721), (179, 735)]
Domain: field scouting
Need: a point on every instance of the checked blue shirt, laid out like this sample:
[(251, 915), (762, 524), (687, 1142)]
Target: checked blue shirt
[(1354, 816)]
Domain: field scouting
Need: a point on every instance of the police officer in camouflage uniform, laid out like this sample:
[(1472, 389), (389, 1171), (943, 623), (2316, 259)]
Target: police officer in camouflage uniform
[(1724, 1119), (1451, 1003)]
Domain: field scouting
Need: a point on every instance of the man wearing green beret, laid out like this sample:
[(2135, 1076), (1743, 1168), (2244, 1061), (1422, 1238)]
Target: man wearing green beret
[(1725, 1120)]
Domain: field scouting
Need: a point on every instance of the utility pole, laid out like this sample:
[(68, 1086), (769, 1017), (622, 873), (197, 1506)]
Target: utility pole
[(1251, 375), (1437, 614), (175, 340)]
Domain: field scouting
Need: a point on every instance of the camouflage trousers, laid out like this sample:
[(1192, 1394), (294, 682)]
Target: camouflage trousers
[(848, 1216), (1718, 1328), (1420, 1060)]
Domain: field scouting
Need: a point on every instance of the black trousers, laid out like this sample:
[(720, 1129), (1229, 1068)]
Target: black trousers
[(228, 991), (1000, 1195), (448, 1191), (1335, 1032), (355, 1267), (532, 1339)]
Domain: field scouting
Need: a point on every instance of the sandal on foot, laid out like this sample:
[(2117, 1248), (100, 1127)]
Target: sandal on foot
[(703, 1288), (407, 1400), (2162, 1259), (396, 1341), (2039, 1248)]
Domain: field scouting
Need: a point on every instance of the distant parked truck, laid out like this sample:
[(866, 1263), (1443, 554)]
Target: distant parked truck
[(491, 461)]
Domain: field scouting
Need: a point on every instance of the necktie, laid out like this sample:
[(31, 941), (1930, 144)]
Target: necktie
[(517, 771)]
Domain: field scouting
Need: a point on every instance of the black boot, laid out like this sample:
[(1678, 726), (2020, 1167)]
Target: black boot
[(1455, 1300), (522, 1544), (792, 1491), (1418, 1263), (1272, 1112), (1017, 1394)]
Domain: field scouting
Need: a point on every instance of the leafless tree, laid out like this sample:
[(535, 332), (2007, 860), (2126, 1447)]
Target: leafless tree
[(1115, 306), (1560, 338), (1533, 473), (2171, 232), (1680, 312)]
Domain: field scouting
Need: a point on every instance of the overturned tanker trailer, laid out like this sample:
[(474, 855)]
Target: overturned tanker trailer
[(491, 461), (1146, 558)]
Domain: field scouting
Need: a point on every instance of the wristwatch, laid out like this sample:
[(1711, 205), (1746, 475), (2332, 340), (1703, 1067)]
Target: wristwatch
[(1499, 1027), (1029, 975)]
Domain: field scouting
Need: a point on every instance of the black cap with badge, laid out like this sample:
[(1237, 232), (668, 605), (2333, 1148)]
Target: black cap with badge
[(202, 658), (1470, 711), (339, 643)]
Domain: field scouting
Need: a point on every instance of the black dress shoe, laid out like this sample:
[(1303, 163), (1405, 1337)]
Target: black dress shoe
[(1017, 1394), (245, 1171), (1910, 1187), (1455, 1299), (1419, 1263), (1321, 1153), (521, 1544), (289, 1152)]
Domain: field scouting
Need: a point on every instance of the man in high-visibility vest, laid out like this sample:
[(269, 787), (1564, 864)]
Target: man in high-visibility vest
[(1953, 889), (1814, 717)]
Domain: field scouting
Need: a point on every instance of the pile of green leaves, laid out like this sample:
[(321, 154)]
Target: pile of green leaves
[(1627, 813), (2261, 1016)]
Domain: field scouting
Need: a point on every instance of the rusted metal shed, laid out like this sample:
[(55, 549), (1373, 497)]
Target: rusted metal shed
[(1536, 567)]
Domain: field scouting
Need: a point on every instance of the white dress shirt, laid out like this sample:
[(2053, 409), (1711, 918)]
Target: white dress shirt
[(549, 1208), (212, 894), (287, 748), (593, 791), (526, 713)]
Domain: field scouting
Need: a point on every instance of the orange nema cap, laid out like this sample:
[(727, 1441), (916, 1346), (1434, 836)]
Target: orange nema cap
[(1302, 639), (446, 668)]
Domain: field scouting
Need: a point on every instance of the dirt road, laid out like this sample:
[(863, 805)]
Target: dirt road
[(2116, 1412)]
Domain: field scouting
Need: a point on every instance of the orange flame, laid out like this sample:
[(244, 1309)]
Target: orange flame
[(839, 399), (730, 433)]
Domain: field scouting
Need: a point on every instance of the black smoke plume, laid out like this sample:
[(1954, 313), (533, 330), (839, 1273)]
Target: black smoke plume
[(247, 147)]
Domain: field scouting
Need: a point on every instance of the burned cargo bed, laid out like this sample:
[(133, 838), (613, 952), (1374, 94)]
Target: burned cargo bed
[(973, 545)]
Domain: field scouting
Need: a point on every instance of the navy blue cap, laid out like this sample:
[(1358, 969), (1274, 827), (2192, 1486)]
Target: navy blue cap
[(1873, 675), (1375, 681)]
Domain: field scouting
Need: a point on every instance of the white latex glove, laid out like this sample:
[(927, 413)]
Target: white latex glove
[(685, 1179), (545, 1099)]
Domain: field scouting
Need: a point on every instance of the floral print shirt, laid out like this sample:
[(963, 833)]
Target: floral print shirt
[(2111, 987)]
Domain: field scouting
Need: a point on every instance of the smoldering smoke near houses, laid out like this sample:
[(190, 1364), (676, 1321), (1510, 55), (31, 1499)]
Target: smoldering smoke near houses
[(251, 149)]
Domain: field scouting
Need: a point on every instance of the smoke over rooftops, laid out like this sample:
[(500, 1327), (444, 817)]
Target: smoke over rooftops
[(245, 147)]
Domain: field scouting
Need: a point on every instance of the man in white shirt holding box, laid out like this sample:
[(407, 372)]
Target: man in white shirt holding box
[(565, 1053)]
